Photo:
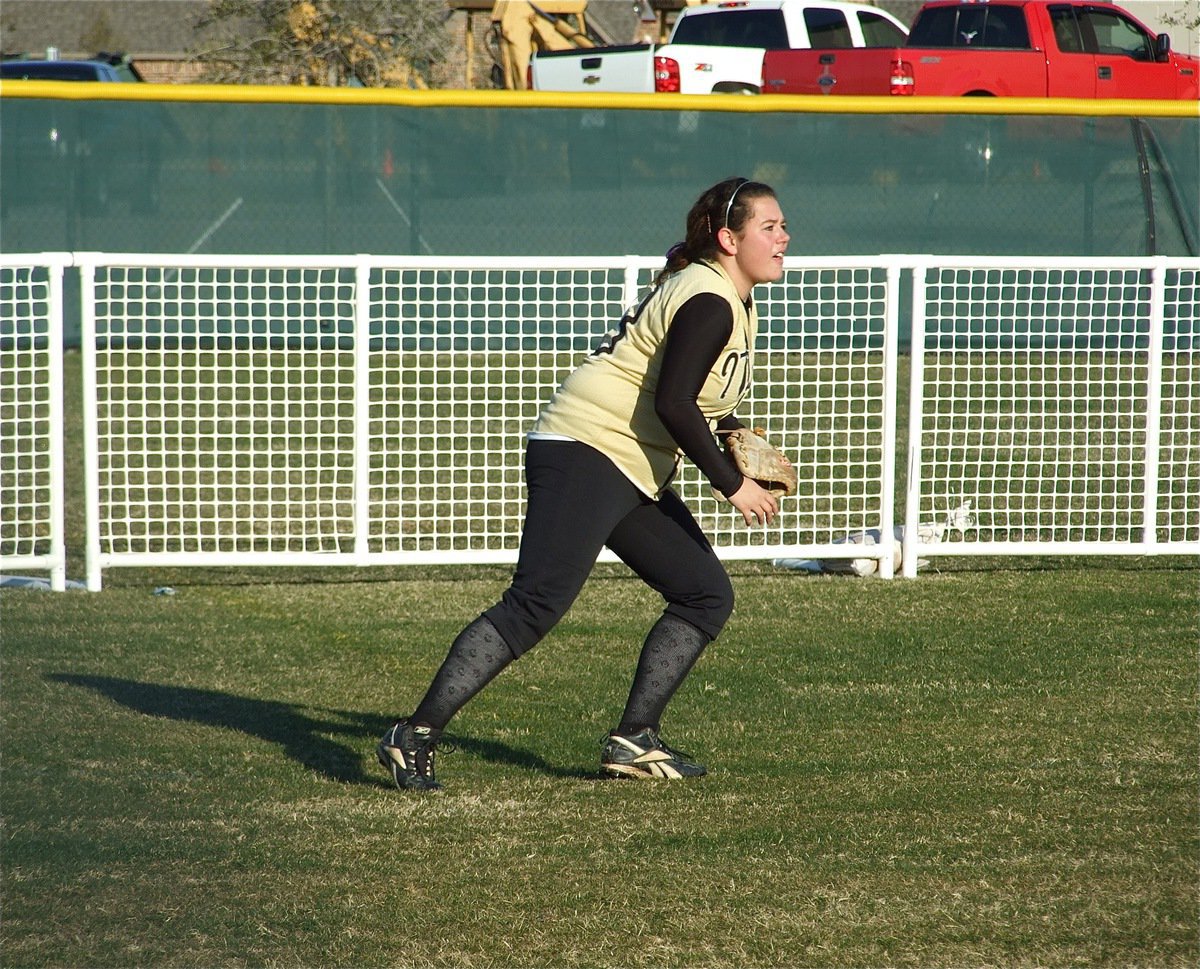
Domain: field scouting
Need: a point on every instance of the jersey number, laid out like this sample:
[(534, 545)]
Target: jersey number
[(736, 362)]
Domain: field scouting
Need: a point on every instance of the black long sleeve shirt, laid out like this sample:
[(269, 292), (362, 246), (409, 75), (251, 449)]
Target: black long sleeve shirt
[(698, 334)]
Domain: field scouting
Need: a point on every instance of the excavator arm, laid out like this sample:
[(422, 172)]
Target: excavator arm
[(519, 28)]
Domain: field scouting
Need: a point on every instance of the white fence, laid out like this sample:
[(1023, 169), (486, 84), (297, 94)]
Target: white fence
[(368, 410), (1062, 400), (32, 509)]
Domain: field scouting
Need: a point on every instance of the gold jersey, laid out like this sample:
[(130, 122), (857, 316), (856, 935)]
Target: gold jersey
[(607, 402)]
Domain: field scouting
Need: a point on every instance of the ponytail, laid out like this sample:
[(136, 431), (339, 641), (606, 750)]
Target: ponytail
[(677, 258)]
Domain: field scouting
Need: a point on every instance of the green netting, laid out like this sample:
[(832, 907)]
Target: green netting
[(312, 178)]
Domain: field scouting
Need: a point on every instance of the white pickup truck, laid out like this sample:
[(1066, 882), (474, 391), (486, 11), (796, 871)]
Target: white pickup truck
[(717, 48)]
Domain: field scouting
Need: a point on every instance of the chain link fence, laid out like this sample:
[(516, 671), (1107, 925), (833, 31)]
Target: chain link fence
[(359, 176)]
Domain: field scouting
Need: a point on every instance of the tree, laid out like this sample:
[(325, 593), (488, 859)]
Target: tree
[(375, 43), (1187, 15)]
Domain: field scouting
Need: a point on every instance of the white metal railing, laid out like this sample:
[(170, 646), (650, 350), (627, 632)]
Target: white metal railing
[(1062, 400), (369, 410), (32, 495)]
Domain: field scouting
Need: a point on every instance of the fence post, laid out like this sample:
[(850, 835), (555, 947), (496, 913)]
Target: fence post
[(362, 407), (1158, 285), (58, 495), (891, 344), (631, 283), (912, 503), (91, 444)]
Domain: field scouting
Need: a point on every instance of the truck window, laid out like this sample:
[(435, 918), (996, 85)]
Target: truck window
[(1066, 30), (879, 31), (934, 27), (1116, 35), (968, 32), (975, 25), (827, 28), (733, 28), (1005, 27), (53, 71)]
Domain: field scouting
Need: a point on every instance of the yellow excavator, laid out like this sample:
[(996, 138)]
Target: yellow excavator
[(520, 27)]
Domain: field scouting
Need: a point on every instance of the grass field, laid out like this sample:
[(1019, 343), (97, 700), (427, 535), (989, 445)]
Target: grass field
[(983, 767), (993, 765)]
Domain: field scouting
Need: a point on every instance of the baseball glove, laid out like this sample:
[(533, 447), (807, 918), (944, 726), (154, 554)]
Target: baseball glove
[(756, 458)]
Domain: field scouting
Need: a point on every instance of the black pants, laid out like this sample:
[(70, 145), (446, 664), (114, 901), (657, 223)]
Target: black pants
[(580, 502)]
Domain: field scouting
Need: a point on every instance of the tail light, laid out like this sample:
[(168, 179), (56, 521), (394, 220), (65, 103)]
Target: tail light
[(666, 75), (902, 80)]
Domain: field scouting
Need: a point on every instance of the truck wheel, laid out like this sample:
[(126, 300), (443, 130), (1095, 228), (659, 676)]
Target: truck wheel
[(730, 87)]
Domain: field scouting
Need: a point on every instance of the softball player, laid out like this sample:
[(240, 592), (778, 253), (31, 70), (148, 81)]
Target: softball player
[(598, 467)]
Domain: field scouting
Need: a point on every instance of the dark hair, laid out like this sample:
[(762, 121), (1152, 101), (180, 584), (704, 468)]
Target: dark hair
[(726, 204)]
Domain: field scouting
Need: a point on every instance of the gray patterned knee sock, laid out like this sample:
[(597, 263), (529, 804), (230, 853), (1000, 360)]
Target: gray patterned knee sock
[(476, 656), (671, 649)]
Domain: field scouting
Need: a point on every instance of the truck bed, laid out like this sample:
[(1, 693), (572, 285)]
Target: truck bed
[(622, 69), (944, 71)]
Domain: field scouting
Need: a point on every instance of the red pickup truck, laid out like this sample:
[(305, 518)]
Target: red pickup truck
[(1003, 48)]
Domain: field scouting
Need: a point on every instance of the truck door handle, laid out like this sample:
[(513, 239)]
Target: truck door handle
[(1104, 73), (827, 59), (590, 63)]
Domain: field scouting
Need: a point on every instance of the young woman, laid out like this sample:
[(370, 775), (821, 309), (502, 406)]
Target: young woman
[(598, 467)]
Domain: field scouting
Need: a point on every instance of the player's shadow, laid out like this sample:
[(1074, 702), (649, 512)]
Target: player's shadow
[(500, 753), (304, 733)]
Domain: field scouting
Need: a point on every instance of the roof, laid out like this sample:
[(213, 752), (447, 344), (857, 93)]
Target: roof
[(84, 27)]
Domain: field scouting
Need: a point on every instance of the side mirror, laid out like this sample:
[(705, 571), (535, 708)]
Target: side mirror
[(1162, 47)]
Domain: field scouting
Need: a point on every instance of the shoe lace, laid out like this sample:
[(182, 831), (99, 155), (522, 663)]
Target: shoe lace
[(656, 740), (676, 754), (425, 755)]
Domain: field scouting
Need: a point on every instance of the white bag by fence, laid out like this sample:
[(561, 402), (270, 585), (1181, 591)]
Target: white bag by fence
[(959, 519)]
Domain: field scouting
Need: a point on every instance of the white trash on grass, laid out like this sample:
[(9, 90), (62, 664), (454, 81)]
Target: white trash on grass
[(930, 533)]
